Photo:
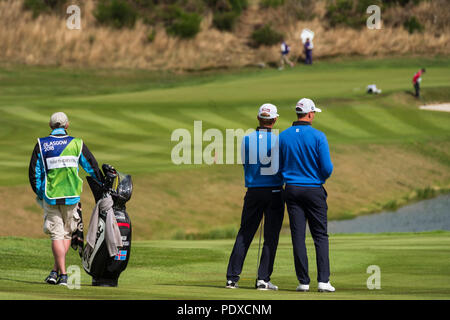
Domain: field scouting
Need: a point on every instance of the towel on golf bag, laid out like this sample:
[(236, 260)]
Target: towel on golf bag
[(78, 235), (113, 238)]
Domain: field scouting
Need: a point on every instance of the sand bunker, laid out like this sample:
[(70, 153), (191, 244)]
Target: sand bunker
[(437, 107)]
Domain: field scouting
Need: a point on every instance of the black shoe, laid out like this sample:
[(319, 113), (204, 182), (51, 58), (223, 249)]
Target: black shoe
[(231, 285), (52, 277), (62, 280)]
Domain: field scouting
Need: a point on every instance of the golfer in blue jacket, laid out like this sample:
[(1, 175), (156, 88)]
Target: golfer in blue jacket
[(263, 198), (305, 165)]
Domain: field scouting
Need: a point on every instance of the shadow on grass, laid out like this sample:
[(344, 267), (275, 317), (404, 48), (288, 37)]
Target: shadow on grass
[(23, 281)]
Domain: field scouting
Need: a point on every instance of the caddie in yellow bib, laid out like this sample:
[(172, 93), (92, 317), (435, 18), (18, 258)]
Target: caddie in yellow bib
[(53, 174)]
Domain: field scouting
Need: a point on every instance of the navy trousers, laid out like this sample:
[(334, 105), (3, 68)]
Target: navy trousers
[(308, 204), (258, 202), (308, 57)]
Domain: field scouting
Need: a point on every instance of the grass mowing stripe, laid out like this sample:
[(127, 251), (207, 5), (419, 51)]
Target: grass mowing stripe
[(26, 113), (165, 122), (135, 146), (439, 120), (337, 118), (357, 115), (414, 119), (286, 121), (106, 122), (213, 118), (387, 123)]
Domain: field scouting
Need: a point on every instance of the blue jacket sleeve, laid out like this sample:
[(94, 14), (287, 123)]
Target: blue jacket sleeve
[(36, 173), (89, 164), (326, 166)]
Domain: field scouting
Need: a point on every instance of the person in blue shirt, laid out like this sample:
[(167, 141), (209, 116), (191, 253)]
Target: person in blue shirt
[(308, 47), (285, 49), (263, 197), (305, 164)]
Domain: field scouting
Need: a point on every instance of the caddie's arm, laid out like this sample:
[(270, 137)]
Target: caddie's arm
[(89, 164), (36, 172)]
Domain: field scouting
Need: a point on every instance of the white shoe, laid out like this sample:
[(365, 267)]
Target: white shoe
[(303, 287), (326, 287), (231, 285), (262, 285)]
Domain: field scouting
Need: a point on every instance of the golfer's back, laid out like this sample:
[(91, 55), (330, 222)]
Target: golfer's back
[(304, 156), (260, 159)]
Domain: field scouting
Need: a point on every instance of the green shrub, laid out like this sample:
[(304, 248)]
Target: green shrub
[(402, 3), (180, 23), (226, 12), (225, 21), (151, 36), (300, 9), (271, 3), (238, 5), (42, 6), (227, 5), (35, 6), (265, 36), (348, 13), (145, 3), (413, 25), (115, 13), (340, 12)]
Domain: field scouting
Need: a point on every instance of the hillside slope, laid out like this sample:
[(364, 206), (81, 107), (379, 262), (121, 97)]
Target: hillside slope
[(45, 40)]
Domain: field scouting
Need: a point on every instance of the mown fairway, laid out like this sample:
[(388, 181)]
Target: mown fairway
[(386, 152), (384, 149), (413, 266)]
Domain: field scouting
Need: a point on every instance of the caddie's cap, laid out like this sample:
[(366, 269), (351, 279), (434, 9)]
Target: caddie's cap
[(58, 120), (306, 105)]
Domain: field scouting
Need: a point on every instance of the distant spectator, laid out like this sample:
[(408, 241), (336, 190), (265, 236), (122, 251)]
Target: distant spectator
[(416, 81), (285, 49), (308, 46)]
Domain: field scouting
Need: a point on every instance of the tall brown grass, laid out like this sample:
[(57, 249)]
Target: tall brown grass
[(46, 40)]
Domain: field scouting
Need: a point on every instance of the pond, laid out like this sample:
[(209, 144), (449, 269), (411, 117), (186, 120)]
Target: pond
[(426, 215)]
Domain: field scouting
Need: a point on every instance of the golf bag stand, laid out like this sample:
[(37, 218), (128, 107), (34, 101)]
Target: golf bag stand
[(104, 269)]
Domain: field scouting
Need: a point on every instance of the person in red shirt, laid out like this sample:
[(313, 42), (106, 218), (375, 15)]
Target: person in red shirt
[(416, 81)]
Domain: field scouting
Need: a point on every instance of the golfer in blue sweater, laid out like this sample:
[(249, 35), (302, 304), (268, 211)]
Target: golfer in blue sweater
[(305, 165), (263, 198)]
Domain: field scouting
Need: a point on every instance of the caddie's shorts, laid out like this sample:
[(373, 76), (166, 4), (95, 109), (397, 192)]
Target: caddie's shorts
[(60, 221)]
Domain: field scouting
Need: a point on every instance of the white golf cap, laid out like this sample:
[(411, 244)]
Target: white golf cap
[(306, 105), (267, 111), (58, 120)]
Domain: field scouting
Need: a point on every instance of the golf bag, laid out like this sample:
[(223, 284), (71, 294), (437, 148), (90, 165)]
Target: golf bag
[(97, 262)]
